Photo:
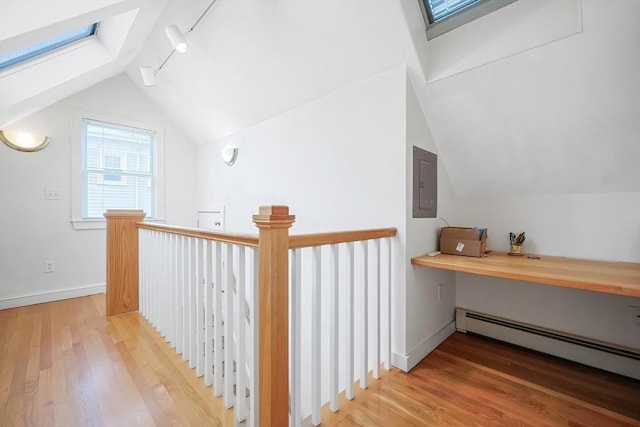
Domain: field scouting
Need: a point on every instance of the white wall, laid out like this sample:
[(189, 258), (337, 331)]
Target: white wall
[(338, 162), (33, 229), (429, 319), (591, 226), (559, 118), (344, 162)]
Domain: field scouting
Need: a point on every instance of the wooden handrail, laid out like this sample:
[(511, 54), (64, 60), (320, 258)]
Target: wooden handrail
[(295, 241), (235, 238), (319, 239)]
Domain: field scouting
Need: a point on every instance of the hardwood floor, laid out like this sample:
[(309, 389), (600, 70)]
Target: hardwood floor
[(474, 381), (65, 364)]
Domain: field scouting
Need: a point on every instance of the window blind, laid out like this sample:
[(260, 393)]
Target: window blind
[(440, 9), (118, 168)]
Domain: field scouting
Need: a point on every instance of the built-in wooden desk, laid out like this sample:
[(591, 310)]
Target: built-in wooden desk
[(621, 278)]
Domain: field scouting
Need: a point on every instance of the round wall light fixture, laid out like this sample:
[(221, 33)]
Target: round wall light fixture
[(24, 141), (229, 155)]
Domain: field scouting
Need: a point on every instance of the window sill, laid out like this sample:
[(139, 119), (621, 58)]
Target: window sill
[(101, 224)]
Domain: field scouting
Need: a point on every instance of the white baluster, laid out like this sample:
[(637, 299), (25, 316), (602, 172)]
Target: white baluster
[(186, 301), (208, 314), (295, 301), (142, 262), (228, 328), (192, 303), (241, 402), (255, 355), (364, 374), (199, 285), (217, 325), (387, 362), (334, 329), (173, 255), (349, 305), (166, 289), (376, 314), (178, 293), (154, 283), (316, 303), (181, 315)]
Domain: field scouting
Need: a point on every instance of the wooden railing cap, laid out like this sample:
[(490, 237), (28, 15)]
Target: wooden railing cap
[(273, 214), (124, 213)]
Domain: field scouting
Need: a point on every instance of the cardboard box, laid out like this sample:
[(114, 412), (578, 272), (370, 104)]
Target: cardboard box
[(465, 241)]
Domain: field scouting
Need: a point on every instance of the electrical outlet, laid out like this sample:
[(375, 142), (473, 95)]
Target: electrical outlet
[(52, 194), (49, 266)]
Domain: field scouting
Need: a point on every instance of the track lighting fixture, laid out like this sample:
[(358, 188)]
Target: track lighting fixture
[(179, 43), (177, 40)]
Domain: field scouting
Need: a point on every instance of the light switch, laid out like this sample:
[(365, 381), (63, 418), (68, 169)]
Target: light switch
[(52, 194)]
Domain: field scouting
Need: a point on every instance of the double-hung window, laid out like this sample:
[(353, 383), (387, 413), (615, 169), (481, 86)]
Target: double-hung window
[(118, 169)]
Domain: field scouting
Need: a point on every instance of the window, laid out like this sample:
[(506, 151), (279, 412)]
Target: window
[(112, 163), (24, 54), (442, 16), (440, 9), (118, 169)]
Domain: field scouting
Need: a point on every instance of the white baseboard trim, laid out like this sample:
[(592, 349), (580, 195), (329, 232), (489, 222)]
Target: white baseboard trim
[(48, 296), (406, 363)]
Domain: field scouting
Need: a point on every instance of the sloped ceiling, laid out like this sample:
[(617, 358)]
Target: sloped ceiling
[(559, 118), (252, 60), (562, 116)]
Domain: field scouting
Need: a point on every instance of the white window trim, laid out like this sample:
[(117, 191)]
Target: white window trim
[(77, 220)]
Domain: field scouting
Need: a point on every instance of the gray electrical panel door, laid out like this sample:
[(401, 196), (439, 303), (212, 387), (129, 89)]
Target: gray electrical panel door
[(425, 184)]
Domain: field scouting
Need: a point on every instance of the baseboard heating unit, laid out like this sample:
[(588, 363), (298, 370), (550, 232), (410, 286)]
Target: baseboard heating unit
[(610, 357)]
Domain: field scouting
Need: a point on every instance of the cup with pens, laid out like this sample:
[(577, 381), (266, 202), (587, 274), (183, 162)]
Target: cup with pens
[(517, 242)]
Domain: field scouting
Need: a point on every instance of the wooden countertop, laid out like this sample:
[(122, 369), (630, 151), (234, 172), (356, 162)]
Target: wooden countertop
[(621, 278)]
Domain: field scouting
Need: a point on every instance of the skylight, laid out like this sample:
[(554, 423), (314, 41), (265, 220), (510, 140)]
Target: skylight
[(41, 48), (442, 16), (440, 9)]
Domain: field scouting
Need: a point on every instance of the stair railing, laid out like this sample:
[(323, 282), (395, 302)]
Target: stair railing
[(227, 302)]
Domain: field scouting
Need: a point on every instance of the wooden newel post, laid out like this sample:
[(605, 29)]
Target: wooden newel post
[(273, 223), (122, 260)]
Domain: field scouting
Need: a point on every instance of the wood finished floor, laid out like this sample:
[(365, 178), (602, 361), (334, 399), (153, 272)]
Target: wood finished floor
[(64, 364)]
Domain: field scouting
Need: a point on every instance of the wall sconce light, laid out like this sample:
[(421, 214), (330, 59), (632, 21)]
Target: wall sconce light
[(24, 141), (179, 43), (229, 155)]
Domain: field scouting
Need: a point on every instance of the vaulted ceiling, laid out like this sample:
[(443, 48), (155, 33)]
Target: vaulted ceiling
[(536, 98)]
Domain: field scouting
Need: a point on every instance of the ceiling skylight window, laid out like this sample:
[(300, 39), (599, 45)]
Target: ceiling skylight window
[(46, 46), (440, 9), (442, 16)]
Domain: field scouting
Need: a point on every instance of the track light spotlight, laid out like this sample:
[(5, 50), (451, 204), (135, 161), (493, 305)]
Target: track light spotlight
[(179, 43), (176, 38), (148, 76)]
